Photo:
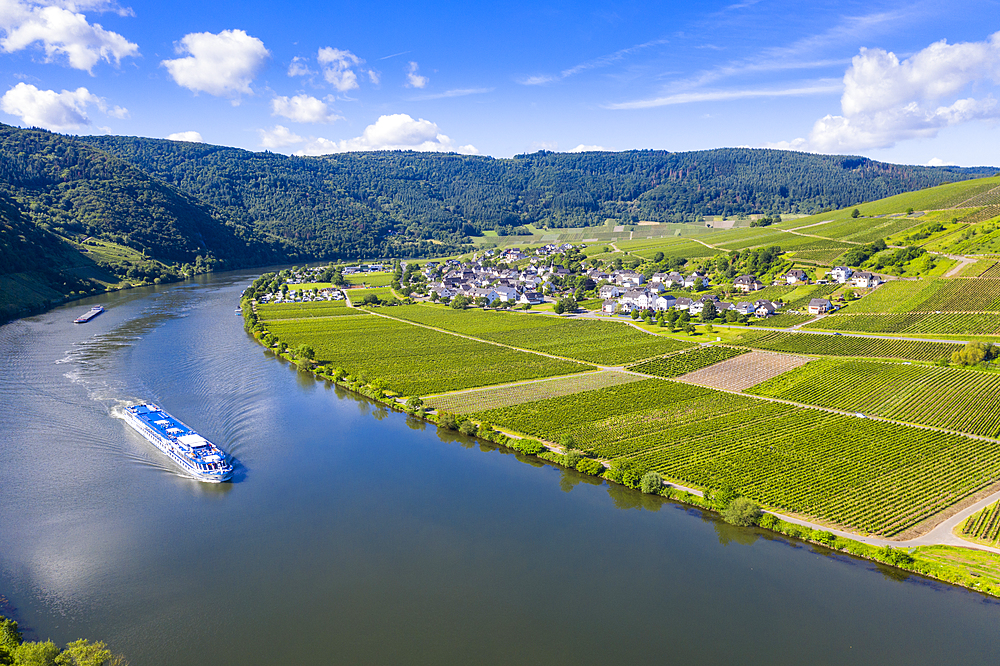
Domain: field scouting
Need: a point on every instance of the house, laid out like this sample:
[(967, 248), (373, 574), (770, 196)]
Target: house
[(610, 291), (840, 273), (747, 283), (505, 294), (530, 298), (696, 280), (796, 276), (683, 303), (664, 302), (441, 289), (764, 308), (629, 279), (819, 306), (639, 299), (609, 306), (865, 280), (489, 294), (745, 308)]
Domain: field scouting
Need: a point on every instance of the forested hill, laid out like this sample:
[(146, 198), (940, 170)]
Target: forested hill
[(340, 203)]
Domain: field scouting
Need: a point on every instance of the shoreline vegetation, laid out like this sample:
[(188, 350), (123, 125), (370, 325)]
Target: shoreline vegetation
[(975, 570), (15, 651)]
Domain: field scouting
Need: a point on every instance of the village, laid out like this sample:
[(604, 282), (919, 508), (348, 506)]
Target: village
[(562, 277)]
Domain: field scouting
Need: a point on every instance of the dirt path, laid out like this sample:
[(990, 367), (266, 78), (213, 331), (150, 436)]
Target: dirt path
[(963, 261)]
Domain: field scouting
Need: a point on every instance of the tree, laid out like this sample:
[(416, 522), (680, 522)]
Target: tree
[(84, 653), (974, 353), (573, 458), (36, 654), (447, 420), (741, 511), (709, 312), (306, 352), (414, 403), (567, 442), (370, 299), (855, 213), (468, 428), (651, 483), (460, 302)]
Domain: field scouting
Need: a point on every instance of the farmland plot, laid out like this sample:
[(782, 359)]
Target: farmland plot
[(874, 476), (744, 371), (676, 365), (846, 345)]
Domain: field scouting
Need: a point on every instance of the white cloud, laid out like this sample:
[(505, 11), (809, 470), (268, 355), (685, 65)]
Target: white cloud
[(298, 67), (337, 68), (190, 135), (374, 77), (64, 111), (538, 80), (62, 32), (819, 88), (458, 92), (414, 80), (583, 148), (303, 109), (393, 132), (221, 65), (278, 137), (886, 100), (937, 161)]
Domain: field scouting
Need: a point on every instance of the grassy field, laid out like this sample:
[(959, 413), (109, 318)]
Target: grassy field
[(413, 360), (358, 295), (603, 343), (845, 345), (467, 402), (953, 398), (682, 363), (370, 279), (874, 476), (305, 310)]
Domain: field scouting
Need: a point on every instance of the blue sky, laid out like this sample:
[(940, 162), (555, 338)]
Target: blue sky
[(913, 82)]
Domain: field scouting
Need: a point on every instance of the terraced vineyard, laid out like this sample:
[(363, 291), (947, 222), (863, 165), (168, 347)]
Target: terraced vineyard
[(501, 396), (964, 400), (603, 343), (874, 476), (945, 295), (305, 310), (983, 525), (846, 345), (676, 365), (957, 323), (414, 360)]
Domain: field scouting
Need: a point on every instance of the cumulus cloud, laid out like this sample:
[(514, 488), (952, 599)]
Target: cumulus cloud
[(392, 132), (338, 67), (190, 135), (583, 148), (303, 109), (221, 65), (298, 67), (886, 100), (62, 31), (414, 80), (278, 137), (937, 161), (64, 111)]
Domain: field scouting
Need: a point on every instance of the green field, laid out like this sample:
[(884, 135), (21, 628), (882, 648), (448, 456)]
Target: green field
[(874, 476), (952, 398), (982, 526), (358, 295), (682, 363), (414, 360), (370, 279), (466, 402), (600, 342), (846, 345), (273, 311), (955, 323)]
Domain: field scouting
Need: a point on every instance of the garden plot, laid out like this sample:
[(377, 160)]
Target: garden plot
[(744, 371)]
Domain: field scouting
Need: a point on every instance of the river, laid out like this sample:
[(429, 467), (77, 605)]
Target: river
[(355, 535)]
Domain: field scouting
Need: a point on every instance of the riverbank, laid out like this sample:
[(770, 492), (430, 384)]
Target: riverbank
[(977, 571)]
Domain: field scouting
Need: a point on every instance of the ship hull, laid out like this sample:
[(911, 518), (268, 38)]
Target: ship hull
[(170, 448)]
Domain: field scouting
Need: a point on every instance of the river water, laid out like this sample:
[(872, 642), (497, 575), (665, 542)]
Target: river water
[(354, 535)]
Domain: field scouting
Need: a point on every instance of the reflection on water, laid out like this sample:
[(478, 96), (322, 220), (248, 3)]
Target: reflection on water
[(355, 534)]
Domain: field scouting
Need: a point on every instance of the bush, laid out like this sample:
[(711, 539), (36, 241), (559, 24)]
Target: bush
[(573, 458), (631, 479), (531, 446), (590, 466), (741, 511), (414, 403), (468, 428), (650, 483), (894, 556), (768, 521), (448, 421), (567, 442)]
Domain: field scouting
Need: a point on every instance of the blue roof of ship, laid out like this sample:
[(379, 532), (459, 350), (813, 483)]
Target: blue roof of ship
[(162, 421)]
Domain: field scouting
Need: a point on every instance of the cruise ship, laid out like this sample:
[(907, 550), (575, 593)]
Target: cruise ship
[(195, 454), (84, 318)]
